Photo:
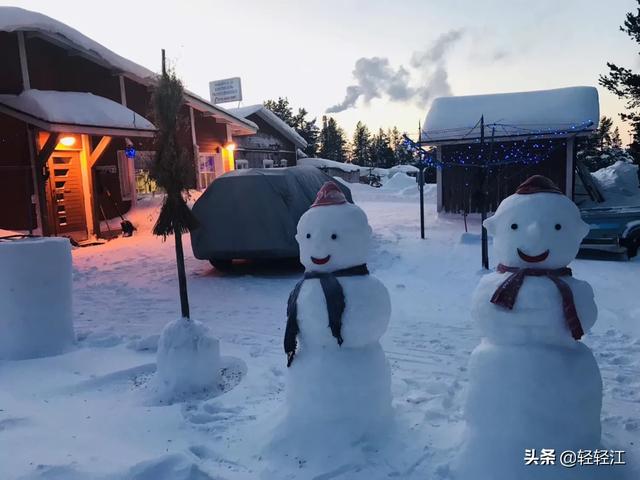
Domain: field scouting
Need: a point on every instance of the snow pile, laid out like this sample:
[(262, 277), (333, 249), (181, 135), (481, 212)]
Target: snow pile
[(76, 108), (399, 182), (531, 384), (521, 113), (35, 298), (337, 394), (324, 163), (404, 169), (619, 183), (188, 359)]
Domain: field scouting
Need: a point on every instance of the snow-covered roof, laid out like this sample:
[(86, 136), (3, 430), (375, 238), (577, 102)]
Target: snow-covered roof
[(570, 110), (13, 19), (74, 112), (324, 163), (272, 119)]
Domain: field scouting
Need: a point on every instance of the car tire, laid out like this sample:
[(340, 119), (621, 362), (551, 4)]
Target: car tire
[(224, 265)]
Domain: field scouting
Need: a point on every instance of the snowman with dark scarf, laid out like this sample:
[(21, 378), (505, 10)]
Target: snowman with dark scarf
[(533, 384), (339, 378)]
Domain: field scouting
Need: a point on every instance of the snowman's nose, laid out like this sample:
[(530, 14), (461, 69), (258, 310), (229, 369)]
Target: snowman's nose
[(534, 229)]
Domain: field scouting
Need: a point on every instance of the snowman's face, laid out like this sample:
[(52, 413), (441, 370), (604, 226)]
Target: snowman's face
[(540, 230), (333, 237)]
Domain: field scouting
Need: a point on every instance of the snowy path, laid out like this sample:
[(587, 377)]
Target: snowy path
[(87, 414)]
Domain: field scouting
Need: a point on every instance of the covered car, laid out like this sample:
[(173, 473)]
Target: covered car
[(253, 213)]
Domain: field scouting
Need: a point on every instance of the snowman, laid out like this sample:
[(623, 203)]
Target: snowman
[(533, 384), (339, 380)]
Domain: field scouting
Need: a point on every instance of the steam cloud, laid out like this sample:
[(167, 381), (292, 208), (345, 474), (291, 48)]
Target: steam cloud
[(375, 77)]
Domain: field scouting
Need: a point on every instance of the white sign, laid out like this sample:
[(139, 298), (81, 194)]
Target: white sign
[(227, 90)]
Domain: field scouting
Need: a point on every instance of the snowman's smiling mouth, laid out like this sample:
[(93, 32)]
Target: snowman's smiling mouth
[(533, 259), (320, 261)]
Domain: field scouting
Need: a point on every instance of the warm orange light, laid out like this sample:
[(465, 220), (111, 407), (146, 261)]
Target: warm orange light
[(68, 141), (230, 146)]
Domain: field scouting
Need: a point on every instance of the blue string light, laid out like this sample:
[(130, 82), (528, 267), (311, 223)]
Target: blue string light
[(535, 147)]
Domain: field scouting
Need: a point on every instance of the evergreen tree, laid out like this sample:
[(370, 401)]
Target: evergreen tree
[(382, 154), (602, 149), (332, 141), (307, 129), (173, 171), (625, 84), (361, 145)]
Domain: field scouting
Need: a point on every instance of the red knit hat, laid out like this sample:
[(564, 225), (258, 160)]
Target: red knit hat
[(538, 184), (329, 194)]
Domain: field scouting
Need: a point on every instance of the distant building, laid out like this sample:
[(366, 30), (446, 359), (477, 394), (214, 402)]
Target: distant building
[(274, 145), (73, 132), (346, 171), (525, 133)]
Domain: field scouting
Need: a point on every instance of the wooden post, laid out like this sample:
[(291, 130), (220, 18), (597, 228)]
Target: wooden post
[(483, 198), (42, 175), (570, 167), (24, 65), (421, 182)]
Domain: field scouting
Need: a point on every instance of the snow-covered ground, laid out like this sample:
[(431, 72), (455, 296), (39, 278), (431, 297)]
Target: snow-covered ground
[(90, 413)]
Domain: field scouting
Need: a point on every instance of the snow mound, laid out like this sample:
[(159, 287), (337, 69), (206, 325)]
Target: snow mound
[(35, 298), (188, 359), (324, 163), (400, 181), (619, 181), (168, 467)]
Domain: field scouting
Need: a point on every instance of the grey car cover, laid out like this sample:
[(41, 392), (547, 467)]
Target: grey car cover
[(253, 213)]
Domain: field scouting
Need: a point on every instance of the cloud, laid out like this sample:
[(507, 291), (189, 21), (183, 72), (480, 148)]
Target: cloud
[(376, 78)]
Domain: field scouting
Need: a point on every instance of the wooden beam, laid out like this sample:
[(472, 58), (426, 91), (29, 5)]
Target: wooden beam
[(24, 66), (98, 151), (47, 150), (41, 160)]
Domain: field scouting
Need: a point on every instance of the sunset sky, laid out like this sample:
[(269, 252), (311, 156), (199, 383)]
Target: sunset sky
[(407, 52)]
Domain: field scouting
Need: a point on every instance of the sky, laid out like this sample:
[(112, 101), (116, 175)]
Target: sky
[(395, 55)]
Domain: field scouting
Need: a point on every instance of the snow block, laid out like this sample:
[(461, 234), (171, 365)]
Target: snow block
[(35, 298), (188, 359)]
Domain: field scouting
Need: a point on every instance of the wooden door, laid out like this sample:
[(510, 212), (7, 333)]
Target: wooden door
[(66, 200)]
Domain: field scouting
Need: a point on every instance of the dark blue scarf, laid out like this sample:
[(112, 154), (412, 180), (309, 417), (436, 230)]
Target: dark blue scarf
[(334, 297)]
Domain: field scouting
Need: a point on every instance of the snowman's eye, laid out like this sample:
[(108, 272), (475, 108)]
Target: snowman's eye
[(514, 226), (308, 235), (558, 226), (334, 236)]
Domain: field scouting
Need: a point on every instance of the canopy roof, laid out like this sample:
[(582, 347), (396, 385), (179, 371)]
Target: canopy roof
[(13, 19), (272, 119), (75, 112), (561, 112)]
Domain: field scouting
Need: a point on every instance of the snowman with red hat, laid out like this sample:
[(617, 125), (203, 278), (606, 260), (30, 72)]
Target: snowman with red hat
[(533, 384), (339, 379)]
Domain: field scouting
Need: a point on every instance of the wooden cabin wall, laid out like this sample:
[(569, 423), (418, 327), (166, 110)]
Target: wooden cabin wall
[(53, 68), (210, 135), (267, 143), (461, 185), (16, 182), (10, 76)]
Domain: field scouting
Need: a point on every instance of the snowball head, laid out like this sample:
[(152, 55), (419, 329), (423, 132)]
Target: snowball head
[(540, 230), (333, 237)]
